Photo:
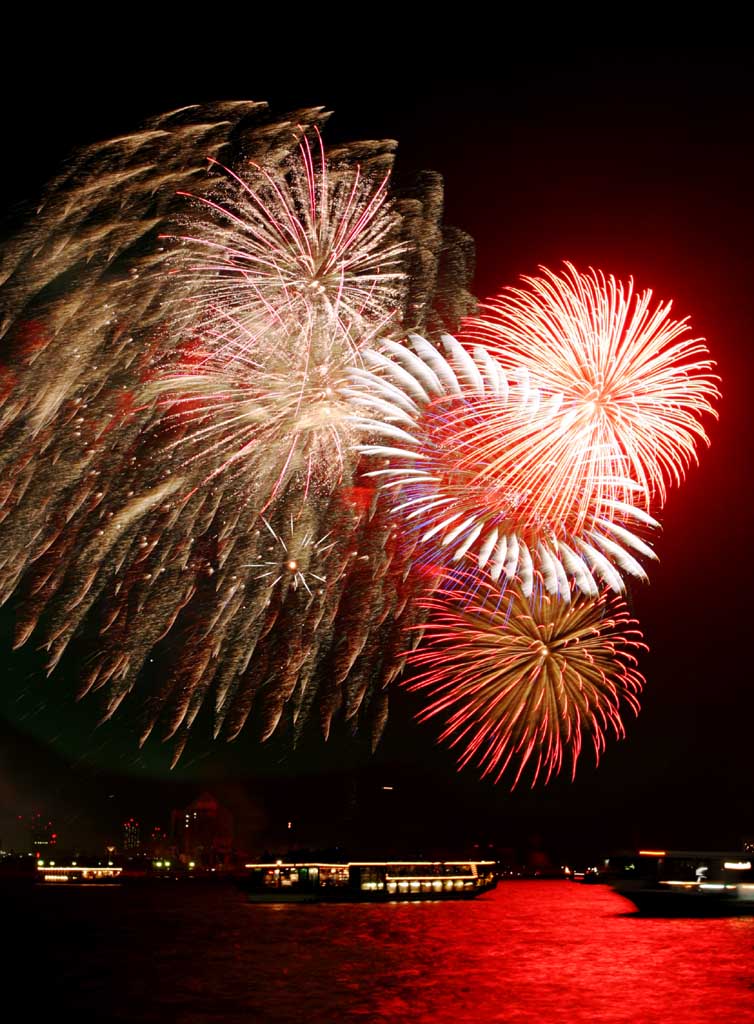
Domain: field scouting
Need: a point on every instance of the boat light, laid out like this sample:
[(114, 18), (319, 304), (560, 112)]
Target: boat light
[(652, 853), (737, 865)]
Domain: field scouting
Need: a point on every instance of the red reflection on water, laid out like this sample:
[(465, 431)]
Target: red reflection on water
[(544, 952), (559, 952)]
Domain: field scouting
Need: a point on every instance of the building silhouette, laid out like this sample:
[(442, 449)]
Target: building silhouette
[(203, 833), (131, 838)]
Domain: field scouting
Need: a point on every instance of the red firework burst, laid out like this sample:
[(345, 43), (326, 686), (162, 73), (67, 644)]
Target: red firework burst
[(634, 386), (520, 682)]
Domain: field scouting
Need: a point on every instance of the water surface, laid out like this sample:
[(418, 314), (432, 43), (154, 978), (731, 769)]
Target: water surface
[(528, 952)]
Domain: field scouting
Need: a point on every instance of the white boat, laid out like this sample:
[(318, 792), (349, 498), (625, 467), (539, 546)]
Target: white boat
[(367, 881)]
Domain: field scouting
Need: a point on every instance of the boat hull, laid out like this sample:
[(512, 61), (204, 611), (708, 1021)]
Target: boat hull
[(685, 883), (667, 903), (359, 896)]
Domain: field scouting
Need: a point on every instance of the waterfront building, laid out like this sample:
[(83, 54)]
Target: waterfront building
[(131, 838), (203, 832)]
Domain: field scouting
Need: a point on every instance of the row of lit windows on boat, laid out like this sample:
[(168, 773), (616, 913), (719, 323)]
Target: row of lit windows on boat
[(420, 885), (371, 879), (75, 873)]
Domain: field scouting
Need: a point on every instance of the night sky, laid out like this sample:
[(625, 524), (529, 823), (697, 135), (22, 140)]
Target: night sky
[(637, 163)]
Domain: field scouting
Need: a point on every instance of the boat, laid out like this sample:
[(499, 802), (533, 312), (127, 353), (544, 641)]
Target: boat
[(685, 883), (367, 881), (78, 874)]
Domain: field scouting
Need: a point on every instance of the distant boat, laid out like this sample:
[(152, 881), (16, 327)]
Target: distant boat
[(367, 881), (670, 883), (78, 874)]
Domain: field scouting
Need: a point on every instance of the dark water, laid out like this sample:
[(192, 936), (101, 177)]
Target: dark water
[(529, 952)]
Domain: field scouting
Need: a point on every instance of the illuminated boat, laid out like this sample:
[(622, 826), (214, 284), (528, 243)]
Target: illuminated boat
[(78, 874), (368, 881), (685, 883)]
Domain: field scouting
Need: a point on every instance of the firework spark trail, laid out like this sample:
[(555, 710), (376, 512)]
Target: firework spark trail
[(520, 682), (466, 456), (632, 386), (125, 531)]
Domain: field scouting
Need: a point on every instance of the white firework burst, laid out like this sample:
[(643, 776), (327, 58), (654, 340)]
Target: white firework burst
[(260, 424), (281, 249), (467, 450)]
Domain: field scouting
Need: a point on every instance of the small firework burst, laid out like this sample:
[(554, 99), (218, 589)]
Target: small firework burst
[(632, 386), (473, 459), (521, 682), (300, 560)]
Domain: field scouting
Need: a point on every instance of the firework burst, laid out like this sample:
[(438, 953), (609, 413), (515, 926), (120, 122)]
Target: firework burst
[(298, 562), (280, 250), (632, 386), (471, 459), (260, 426), (522, 683)]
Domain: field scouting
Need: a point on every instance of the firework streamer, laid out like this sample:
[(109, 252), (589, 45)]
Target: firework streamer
[(151, 357)]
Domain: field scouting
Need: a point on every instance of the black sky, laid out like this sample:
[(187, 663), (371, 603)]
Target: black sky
[(638, 163)]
